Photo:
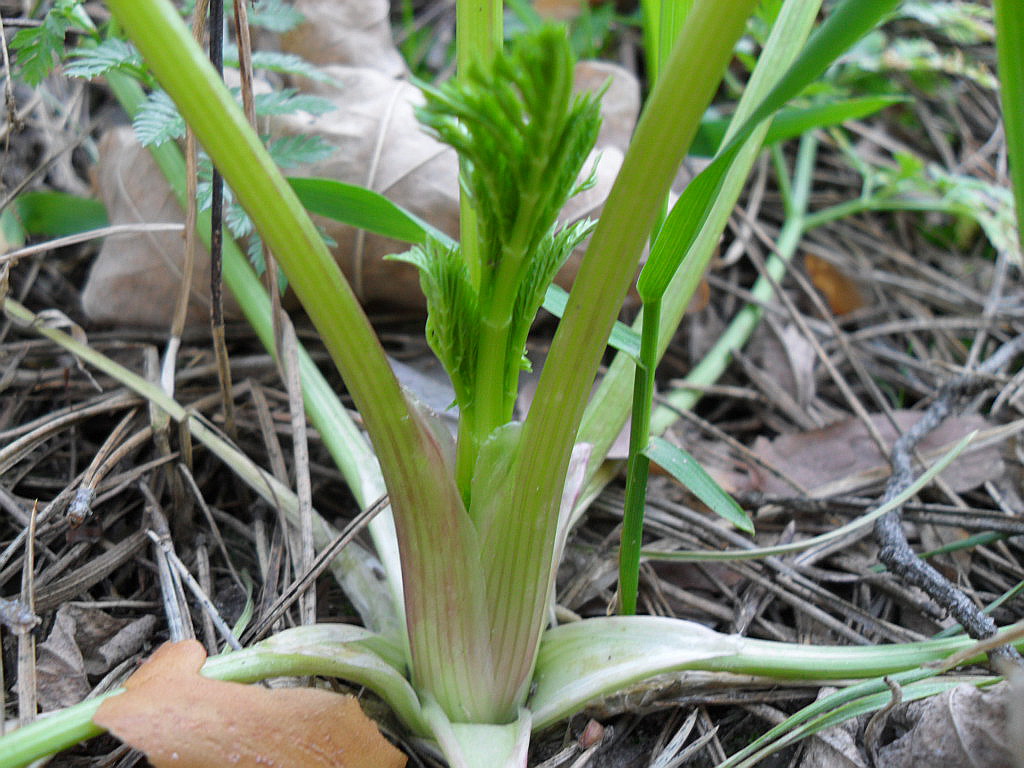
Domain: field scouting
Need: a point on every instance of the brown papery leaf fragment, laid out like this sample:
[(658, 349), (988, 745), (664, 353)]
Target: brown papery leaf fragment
[(838, 288), (179, 718)]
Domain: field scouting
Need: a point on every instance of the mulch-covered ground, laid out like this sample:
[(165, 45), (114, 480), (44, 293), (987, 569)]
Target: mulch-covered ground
[(878, 312)]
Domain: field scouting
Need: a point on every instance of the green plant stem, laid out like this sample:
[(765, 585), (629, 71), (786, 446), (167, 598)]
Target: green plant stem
[(870, 203), (639, 464), (609, 408), (340, 435), (714, 363), (1009, 20), (522, 570), (478, 36), (447, 619)]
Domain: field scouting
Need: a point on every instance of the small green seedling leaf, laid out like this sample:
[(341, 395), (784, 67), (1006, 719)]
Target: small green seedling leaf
[(300, 149), (39, 49), (56, 214), (158, 121), (790, 123), (363, 208), (275, 16), (288, 101), (283, 63), (684, 468)]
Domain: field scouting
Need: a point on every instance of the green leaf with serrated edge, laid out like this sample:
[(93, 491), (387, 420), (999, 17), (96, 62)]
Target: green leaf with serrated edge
[(90, 61), (623, 338), (790, 123), (300, 149), (56, 214), (844, 26), (158, 121), (522, 139), (38, 50), (686, 469), (552, 253), (288, 101), (363, 208), (452, 311)]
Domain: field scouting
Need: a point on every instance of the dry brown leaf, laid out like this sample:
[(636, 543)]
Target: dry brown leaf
[(379, 145), (962, 728), (842, 451), (838, 288), (134, 280), (355, 32), (179, 718), (83, 642)]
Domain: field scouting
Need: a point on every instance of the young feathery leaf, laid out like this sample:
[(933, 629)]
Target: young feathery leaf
[(552, 253), (522, 138), (452, 311)]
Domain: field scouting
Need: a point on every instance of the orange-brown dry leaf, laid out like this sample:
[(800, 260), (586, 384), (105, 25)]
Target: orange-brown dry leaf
[(179, 718), (840, 291)]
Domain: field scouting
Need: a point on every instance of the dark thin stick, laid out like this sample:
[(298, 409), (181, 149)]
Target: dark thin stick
[(894, 550), (217, 237)]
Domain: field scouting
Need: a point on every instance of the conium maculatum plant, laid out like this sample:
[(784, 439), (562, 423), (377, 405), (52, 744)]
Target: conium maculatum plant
[(481, 519)]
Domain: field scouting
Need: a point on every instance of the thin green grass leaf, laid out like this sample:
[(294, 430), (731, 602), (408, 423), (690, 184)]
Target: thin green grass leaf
[(688, 471), (790, 123), (57, 214), (844, 26), (798, 546), (363, 208), (1009, 18), (838, 708)]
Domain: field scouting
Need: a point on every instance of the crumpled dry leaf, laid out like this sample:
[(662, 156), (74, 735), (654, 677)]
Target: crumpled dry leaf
[(355, 32), (134, 279), (379, 145), (843, 453), (83, 642), (964, 727), (179, 718)]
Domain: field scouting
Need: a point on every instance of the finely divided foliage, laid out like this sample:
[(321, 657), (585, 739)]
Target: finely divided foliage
[(452, 308), (523, 139)]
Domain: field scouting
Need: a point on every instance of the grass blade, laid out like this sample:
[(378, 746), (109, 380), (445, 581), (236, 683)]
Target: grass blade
[(1009, 18), (843, 27), (363, 208), (684, 468)]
